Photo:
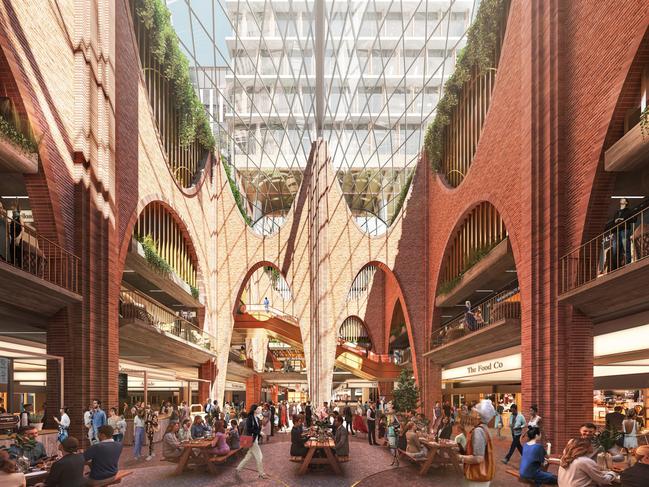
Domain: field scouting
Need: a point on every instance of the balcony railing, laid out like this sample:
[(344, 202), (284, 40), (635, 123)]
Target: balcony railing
[(617, 247), (502, 306), (23, 248), (134, 305)]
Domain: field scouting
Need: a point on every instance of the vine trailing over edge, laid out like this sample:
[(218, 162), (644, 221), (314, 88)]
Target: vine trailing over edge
[(482, 41), (165, 47)]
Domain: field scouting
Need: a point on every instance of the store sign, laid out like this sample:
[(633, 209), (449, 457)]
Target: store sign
[(4, 370), (234, 386), (501, 364)]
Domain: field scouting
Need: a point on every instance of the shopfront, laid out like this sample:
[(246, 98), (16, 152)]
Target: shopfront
[(496, 376)]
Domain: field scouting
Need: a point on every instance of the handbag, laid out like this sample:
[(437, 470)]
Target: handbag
[(245, 441)]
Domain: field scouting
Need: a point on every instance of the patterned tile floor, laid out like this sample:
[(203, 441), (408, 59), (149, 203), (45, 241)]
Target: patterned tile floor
[(369, 466)]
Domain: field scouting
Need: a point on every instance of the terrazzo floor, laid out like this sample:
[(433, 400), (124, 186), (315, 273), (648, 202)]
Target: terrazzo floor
[(368, 466)]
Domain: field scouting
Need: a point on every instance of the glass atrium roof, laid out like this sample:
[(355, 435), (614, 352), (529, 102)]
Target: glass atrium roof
[(363, 75)]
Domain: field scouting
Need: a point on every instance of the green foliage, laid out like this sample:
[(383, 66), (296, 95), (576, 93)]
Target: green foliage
[(406, 393), (11, 129), (165, 47), (607, 438), (474, 257), (35, 418), (238, 198), (151, 254), (475, 59), (401, 198), (194, 291), (644, 122)]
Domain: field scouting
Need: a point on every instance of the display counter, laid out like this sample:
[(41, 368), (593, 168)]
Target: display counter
[(47, 437)]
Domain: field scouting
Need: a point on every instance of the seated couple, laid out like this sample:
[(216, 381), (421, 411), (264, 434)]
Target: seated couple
[(103, 458), (172, 448), (298, 439)]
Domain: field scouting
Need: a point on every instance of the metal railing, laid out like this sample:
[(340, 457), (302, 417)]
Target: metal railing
[(134, 305), (22, 247), (623, 244), (493, 310)]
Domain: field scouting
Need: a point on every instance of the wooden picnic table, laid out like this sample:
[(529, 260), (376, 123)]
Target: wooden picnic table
[(442, 453), (188, 450), (329, 459)]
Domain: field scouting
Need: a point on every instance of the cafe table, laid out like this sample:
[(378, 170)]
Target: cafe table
[(440, 453), (185, 460), (326, 446)]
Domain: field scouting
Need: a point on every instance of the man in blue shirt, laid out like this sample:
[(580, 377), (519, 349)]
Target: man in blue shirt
[(98, 419), (103, 458), (533, 460), (516, 424)]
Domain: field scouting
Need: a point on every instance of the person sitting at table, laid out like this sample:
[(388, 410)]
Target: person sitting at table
[(638, 474), (413, 447), (103, 457), (27, 445), (171, 447), (533, 460), (577, 468), (220, 446), (185, 432), (233, 435), (341, 438), (9, 474), (68, 470), (199, 428), (298, 441)]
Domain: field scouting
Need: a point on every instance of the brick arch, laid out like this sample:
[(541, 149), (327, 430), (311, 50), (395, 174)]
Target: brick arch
[(393, 288), (603, 184), (244, 280), (50, 210), (178, 219), (367, 329)]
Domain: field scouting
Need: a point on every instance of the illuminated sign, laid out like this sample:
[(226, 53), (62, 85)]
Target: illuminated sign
[(501, 364)]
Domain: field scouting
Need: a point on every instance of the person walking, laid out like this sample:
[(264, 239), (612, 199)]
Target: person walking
[(98, 419), (151, 427), (371, 424), (253, 428), (266, 304), (479, 463), (347, 413), (138, 423), (498, 424), (630, 429), (63, 424), (516, 425)]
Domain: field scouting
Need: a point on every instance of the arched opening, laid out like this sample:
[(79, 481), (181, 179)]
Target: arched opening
[(266, 357), (476, 333), (165, 355)]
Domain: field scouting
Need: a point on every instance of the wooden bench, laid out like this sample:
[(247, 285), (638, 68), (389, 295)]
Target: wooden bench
[(296, 459), (411, 458), (120, 475), (223, 458), (516, 473), (342, 459)]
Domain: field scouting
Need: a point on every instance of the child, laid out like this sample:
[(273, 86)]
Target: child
[(233, 435)]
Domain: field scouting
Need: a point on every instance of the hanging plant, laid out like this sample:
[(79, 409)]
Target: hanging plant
[(151, 254), (401, 198), (193, 124), (238, 198), (474, 60), (9, 130)]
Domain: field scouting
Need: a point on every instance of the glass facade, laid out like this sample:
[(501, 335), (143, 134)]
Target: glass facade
[(384, 66)]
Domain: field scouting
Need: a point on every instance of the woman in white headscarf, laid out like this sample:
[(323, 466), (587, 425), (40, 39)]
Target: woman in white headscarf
[(479, 462)]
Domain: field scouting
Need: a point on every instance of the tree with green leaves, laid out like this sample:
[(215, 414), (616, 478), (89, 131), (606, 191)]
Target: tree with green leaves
[(406, 393)]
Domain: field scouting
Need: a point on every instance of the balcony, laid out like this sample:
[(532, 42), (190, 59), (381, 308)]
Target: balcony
[(491, 272), (169, 288), (629, 153), (608, 276), (37, 276), (495, 325), (151, 332)]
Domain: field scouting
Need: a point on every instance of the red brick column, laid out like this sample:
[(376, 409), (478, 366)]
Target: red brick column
[(207, 371), (87, 335), (274, 393), (253, 390)]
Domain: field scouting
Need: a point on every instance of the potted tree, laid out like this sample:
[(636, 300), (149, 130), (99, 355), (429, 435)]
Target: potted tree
[(36, 420)]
